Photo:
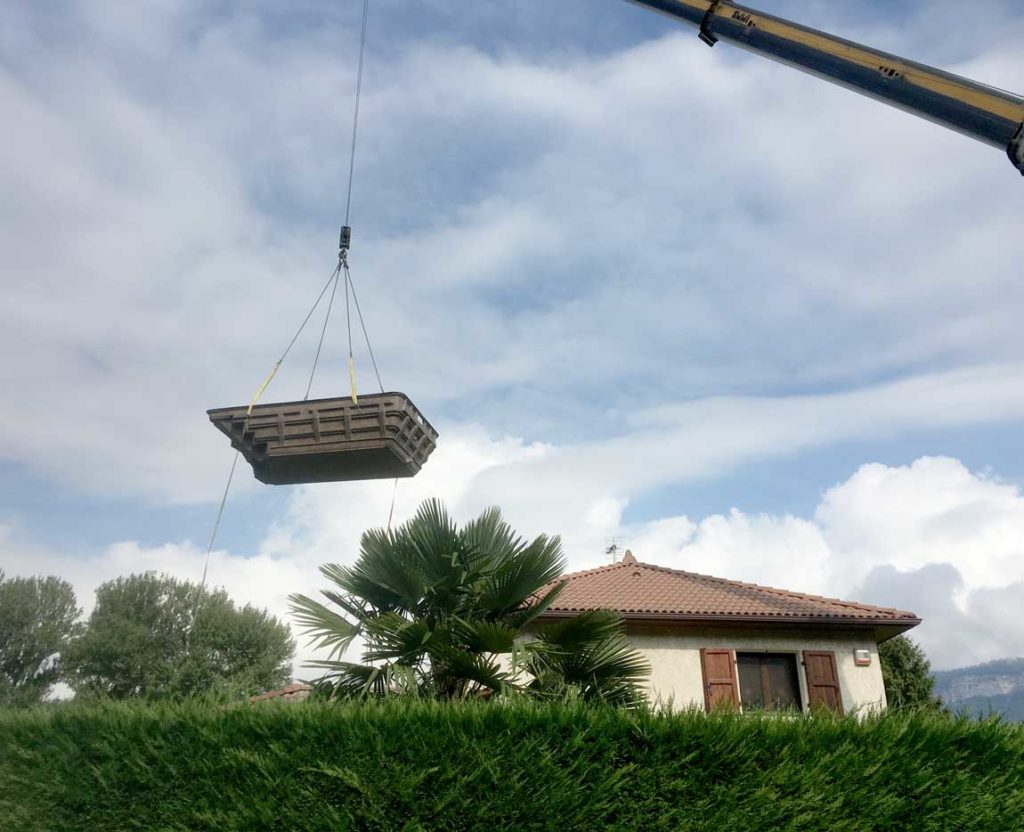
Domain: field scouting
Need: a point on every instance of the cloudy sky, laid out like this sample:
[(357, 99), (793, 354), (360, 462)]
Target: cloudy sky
[(742, 321)]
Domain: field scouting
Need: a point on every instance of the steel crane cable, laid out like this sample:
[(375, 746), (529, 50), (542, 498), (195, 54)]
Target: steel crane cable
[(350, 284), (346, 232), (323, 332), (332, 283), (343, 258), (355, 115)]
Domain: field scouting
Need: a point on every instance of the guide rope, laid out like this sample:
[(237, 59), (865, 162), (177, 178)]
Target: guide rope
[(216, 525)]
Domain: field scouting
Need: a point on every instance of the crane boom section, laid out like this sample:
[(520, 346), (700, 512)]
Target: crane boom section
[(982, 112)]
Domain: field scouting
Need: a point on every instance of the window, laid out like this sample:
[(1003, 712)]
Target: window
[(768, 681)]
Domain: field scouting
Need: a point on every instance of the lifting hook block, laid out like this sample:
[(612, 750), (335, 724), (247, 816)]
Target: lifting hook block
[(705, 34), (345, 241), (1016, 149)]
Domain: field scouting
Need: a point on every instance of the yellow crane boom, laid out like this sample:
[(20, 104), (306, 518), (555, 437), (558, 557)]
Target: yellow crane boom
[(982, 112)]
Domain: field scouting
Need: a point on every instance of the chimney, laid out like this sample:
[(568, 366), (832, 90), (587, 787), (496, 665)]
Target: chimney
[(628, 559)]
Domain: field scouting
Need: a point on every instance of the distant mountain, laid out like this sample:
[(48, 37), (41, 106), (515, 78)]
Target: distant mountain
[(996, 687)]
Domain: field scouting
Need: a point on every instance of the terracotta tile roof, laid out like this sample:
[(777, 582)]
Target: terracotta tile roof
[(642, 591), (291, 693)]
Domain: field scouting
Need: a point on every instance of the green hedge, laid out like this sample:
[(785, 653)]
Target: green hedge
[(423, 766)]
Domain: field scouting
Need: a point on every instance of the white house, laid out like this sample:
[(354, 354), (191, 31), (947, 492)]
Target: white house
[(713, 642)]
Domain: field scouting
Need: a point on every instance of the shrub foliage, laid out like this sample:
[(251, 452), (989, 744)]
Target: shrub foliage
[(515, 764), (157, 636), (37, 622), (907, 674)]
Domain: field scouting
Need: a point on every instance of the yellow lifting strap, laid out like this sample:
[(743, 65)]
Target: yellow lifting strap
[(352, 379), (262, 389)]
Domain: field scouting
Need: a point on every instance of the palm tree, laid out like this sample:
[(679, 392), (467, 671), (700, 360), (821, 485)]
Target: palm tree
[(586, 657), (442, 612)]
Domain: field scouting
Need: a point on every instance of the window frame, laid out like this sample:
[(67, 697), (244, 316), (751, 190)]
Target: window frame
[(768, 706)]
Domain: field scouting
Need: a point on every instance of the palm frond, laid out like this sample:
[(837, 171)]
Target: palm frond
[(394, 638), (388, 574), (486, 636), (591, 655), (336, 573), (434, 543), (355, 607), (451, 668), (584, 629), (327, 629), (491, 538), (354, 680), (526, 615), (514, 580)]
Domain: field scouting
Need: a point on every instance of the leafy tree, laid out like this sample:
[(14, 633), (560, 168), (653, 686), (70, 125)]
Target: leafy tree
[(156, 636), (907, 675), (37, 618), (442, 612)]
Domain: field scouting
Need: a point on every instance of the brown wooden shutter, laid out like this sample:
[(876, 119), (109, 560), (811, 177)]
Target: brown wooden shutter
[(822, 680), (719, 668)]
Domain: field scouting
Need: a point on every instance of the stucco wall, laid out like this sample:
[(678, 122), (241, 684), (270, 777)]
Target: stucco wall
[(676, 677)]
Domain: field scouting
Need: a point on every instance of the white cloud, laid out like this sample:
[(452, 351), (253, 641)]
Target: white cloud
[(262, 581), (539, 238), (654, 265), (707, 439), (931, 537), (934, 511), (789, 552), (323, 525)]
